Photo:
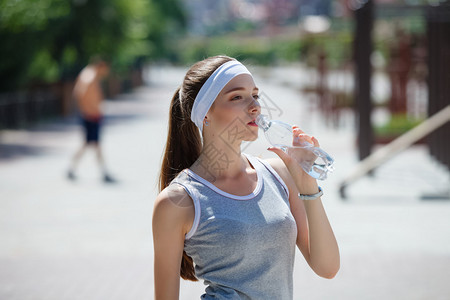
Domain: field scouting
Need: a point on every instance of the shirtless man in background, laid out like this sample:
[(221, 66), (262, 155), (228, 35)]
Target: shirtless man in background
[(89, 96)]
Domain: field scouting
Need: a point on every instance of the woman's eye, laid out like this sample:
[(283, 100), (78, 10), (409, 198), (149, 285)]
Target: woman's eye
[(236, 98), (256, 97)]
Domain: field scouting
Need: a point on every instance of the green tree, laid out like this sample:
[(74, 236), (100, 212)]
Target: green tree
[(50, 39), (23, 25)]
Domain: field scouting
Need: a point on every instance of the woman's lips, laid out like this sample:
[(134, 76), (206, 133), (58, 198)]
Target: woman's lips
[(252, 123)]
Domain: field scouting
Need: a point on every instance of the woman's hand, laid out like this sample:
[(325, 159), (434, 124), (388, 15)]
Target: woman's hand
[(295, 156), (315, 238), (301, 140)]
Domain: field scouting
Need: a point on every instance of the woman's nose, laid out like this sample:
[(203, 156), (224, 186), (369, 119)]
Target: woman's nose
[(254, 106)]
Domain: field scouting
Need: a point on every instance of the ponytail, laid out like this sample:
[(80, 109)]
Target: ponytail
[(184, 142), (183, 147)]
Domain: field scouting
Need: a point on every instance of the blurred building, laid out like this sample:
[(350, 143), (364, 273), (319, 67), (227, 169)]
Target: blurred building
[(215, 17)]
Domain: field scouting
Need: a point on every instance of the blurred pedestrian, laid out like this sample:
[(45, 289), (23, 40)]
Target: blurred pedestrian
[(233, 216), (89, 96)]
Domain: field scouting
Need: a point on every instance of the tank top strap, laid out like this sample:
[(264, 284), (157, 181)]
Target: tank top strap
[(185, 182), (259, 163)]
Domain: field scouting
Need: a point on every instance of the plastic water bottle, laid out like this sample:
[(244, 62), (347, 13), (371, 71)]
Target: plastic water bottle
[(316, 162)]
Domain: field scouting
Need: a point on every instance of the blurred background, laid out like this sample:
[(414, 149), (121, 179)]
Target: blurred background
[(369, 78)]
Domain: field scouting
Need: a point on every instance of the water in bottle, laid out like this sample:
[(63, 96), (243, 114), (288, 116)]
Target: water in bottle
[(315, 161)]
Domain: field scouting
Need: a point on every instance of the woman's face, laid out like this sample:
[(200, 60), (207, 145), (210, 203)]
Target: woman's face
[(233, 113)]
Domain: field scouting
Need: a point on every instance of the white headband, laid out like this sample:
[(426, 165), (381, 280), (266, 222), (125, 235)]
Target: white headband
[(212, 87)]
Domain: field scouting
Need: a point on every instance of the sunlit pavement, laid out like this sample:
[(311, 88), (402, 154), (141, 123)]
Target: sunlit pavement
[(89, 240)]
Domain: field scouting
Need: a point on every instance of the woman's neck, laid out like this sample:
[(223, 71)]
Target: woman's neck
[(219, 160)]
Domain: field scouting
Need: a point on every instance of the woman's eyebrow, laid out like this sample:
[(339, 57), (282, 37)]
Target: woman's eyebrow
[(239, 88)]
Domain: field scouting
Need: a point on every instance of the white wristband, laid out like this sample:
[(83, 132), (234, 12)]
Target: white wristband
[(311, 197)]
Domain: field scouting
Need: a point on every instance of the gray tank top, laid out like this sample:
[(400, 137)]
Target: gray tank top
[(243, 247)]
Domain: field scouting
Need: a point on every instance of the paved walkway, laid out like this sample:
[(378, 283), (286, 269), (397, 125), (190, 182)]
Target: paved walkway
[(86, 240)]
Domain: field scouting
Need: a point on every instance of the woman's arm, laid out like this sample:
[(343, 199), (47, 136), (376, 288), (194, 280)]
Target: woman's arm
[(173, 216), (315, 237)]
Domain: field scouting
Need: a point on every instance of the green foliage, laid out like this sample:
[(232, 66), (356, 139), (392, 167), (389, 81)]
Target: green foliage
[(23, 25), (21, 15), (265, 50), (44, 67), (50, 39), (258, 51), (337, 47), (288, 50), (397, 125)]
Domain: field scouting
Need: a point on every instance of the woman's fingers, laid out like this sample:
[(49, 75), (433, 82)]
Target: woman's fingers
[(301, 137), (296, 130), (316, 142), (283, 155), (298, 134)]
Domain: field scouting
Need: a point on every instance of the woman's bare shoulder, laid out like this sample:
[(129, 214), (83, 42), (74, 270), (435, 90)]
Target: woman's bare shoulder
[(278, 165), (175, 194), (174, 206)]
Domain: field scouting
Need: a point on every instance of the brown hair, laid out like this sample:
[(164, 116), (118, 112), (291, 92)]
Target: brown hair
[(184, 144)]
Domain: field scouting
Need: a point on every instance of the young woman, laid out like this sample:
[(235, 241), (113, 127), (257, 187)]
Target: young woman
[(226, 217)]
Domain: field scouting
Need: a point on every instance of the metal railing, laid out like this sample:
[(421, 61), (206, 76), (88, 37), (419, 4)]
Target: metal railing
[(21, 109)]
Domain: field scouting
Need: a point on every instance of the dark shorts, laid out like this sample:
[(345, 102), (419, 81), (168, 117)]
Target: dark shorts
[(91, 129)]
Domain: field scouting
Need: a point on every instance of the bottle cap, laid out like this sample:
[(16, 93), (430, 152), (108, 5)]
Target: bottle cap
[(263, 122)]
